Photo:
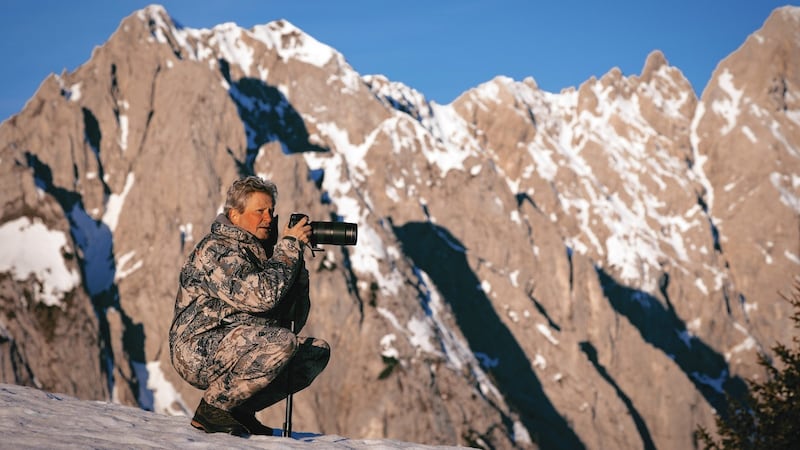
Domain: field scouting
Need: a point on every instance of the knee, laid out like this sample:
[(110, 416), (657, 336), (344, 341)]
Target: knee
[(323, 351)]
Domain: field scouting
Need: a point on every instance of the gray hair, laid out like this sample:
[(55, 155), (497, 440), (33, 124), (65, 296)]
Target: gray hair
[(241, 189)]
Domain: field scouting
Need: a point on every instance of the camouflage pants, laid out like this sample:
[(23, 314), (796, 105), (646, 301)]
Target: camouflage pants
[(247, 368)]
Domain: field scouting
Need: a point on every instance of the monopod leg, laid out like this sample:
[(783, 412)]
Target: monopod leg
[(287, 424)]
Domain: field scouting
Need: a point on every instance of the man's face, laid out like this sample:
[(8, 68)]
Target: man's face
[(257, 215)]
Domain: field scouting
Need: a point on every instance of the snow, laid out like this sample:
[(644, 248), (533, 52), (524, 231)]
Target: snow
[(514, 277), (390, 317), (698, 282), (166, 399), (387, 347), (123, 124), (521, 435), (671, 106), (749, 133), (32, 249), (123, 134), (715, 383), (392, 194), (547, 333), (728, 108), (456, 350), (776, 130), (638, 232), (788, 194), (545, 166), (686, 337), (186, 230), (30, 418), (432, 328), (234, 44), (121, 265), (486, 360), (75, 92), (228, 39), (749, 343), (291, 43), (115, 203), (452, 131), (793, 257), (421, 334)]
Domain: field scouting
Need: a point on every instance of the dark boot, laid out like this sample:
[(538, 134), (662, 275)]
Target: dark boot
[(215, 420), (248, 419)]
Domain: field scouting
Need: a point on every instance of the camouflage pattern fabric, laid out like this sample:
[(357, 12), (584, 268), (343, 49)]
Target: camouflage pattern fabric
[(229, 335)]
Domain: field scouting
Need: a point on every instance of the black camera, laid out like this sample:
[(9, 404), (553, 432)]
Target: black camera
[(333, 233)]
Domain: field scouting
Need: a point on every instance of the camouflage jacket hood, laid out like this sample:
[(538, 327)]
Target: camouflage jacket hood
[(228, 280)]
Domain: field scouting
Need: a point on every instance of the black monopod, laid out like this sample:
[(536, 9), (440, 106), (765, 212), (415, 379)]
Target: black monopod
[(287, 422), (336, 233)]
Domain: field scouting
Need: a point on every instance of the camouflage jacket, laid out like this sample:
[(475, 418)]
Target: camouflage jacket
[(228, 280)]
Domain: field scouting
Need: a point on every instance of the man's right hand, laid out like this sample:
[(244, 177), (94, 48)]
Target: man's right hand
[(300, 231)]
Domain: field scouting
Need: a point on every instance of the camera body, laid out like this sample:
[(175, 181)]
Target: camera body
[(333, 233)]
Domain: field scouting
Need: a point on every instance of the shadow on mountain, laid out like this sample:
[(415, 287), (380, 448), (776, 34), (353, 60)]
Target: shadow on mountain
[(97, 264), (661, 327), (435, 251), (267, 117), (591, 354)]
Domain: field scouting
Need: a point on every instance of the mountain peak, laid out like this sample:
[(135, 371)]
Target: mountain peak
[(655, 61)]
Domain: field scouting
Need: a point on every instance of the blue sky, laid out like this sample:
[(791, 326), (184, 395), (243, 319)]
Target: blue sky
[(439, 47)]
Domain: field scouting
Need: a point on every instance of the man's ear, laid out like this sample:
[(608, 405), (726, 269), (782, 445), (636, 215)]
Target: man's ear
[(233, 216)]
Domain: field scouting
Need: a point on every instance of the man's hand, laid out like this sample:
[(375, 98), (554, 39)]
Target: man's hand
[(300, 231)]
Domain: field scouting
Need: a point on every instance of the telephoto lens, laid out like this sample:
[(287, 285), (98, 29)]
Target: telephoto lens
[(333, 233)]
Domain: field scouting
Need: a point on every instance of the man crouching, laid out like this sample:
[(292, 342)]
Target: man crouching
[(237, 297)]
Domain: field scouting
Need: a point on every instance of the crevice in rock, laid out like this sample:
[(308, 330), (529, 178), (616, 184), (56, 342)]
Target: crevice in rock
[(10, 354), (571, 268), (152, 109), (539, 307), (93, 136), (434, 250), (591, 354), (115, 92), (712, 226), (662, 328), (153, 26)]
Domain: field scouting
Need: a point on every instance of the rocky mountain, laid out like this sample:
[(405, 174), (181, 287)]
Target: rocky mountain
[(592, 268)]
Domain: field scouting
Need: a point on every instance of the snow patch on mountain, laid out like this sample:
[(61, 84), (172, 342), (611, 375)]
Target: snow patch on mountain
[(292, 43), (728, 108), (32, 249), (116, 202)]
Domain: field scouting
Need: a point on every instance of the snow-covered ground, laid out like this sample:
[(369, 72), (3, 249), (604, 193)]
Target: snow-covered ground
[(30, 418)]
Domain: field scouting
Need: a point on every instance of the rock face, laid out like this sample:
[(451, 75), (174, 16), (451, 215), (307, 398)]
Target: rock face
[(594, 268)]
